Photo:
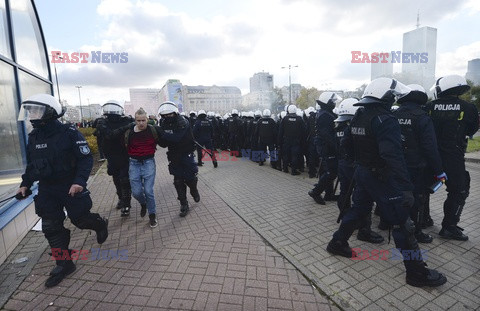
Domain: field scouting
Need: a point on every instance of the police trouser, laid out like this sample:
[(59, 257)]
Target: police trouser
[(49, 204), (369, 189), (202, 154), (458, 187), (122, 184), (184, 171), (327, 174), (312, 159), (291, 155), (262, 146), (417, 177), (345, 178)]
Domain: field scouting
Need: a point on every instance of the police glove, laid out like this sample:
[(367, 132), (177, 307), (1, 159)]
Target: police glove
[(23, 193), (408, 199)]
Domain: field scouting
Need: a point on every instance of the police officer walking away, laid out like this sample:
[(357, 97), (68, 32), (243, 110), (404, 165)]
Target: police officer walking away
[(59, 158), (326, 147), (454, 119), (203, 133), (266, 132), (419, 148), (176, 134), (381, 176), (116, 151), (290, 135)]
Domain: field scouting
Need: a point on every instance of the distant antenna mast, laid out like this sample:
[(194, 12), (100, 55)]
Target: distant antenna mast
[(418, 19)]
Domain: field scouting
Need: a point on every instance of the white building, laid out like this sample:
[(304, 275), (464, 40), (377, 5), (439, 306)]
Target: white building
[(146, 98), (380, 70), (420, 40), (473, 73)]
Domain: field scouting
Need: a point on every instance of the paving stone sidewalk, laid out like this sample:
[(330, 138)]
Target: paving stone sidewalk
[(277, 206), (210, 260)]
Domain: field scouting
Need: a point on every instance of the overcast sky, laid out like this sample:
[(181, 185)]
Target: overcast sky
[(225, 42)]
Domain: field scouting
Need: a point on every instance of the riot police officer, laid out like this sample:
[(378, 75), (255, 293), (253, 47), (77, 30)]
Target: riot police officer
[(312, 155), (326, 147), (266, 132), (116, 152), (203, 133), (381, 176), (290, 135), (419, 148), (176, 134), (346, 169), (59, 158), (235, 133), (454, 119)]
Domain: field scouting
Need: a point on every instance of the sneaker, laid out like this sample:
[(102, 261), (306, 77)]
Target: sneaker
[(143, 210), (317, 197), (369, 236), (429, 277), (339, 248), (423, 237), (453, 233), (184, 209), (59, 273), (153, 221), (125, 211)]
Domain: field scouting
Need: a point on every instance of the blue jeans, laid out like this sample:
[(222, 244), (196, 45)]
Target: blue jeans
[(142, 178)]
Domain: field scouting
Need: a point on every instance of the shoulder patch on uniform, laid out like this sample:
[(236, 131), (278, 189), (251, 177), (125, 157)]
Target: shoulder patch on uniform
[(84, 149)]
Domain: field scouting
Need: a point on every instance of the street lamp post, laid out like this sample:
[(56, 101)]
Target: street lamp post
[(290, 83), (56, 79), (80, 98)]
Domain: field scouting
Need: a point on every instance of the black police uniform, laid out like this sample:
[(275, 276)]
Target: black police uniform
[(266, 131), (290, 135), (327, 151), (419, 147), (454, 120), (312, 154), (117, 156), (177, 136), (346, 170), (58, 157), (381, 176), (235, 134), (203, 133)]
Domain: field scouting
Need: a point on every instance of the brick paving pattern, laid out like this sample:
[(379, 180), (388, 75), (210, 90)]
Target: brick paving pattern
[(210, 260)]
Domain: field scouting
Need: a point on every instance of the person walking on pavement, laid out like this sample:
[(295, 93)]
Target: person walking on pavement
[(346, 169), (290, 135), (203, 134), (419, 148), (141, 141), (116, 152), (454, 119), (177, 136), (382, 177), (326, 148), (58, 157)]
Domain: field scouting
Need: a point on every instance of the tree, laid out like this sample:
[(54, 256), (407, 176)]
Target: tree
[(473, 95), (307, 97)]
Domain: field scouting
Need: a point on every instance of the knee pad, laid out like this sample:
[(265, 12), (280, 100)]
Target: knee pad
[(55, 233)]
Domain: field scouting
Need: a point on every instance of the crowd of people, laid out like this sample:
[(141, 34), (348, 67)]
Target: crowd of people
[(356, 142)]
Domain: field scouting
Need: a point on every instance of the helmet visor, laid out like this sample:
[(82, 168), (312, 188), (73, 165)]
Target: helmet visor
[(400, 90), (31, 112), (111, 108)]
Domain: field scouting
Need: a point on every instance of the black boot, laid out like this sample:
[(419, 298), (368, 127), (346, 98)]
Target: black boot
[(423, 237), (215, 164), (340, 248), (453, 233), (63, 268), (317, 197), (94, 222), (367, 235), (192, 184), (419, 276), (184, 209), (58, 238)]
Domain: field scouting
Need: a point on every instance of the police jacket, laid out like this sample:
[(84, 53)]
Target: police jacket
[(418, 137), (291, 130), (57, 153), (339, 134), (374, 141), (453, 119), (114, 145), (234, 126), (266, 130), (176, 134), (311, 127), (325, 133), (203, 130)]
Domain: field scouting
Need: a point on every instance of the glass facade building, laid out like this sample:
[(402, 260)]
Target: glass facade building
[(24, 71)]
